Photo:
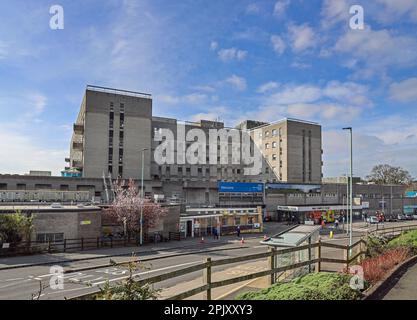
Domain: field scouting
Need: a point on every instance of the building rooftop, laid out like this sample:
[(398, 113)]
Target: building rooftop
[(119, 91)]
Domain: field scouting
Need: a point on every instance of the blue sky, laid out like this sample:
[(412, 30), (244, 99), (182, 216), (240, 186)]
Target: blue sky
[(218, 59)]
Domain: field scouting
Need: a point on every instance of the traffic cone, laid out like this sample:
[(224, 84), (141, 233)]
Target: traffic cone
[(242, 241), (331, 235), (202, 240)]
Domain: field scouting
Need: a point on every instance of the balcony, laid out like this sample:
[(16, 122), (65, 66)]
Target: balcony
[(78, 128), (77, 146)]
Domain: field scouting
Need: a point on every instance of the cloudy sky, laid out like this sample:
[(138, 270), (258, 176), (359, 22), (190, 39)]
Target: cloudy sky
[(219, 59)]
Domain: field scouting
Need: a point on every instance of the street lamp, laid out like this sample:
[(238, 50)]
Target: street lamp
[(142, 196), (350, 185)]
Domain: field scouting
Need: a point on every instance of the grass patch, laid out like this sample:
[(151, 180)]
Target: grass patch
[(314, 286), (407, 239)]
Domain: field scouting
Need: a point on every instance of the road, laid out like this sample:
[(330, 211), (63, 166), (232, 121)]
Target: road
[(21, 283)]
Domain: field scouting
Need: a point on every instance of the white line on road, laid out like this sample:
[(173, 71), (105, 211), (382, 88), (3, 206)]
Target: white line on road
[(146, 272)]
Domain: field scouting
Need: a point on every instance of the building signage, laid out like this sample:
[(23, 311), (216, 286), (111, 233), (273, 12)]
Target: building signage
[(293, 188), (85, 222), (240, 187)]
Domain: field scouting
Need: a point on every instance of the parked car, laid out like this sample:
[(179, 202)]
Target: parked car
[(373, 220), (414, 216), (401, 217)]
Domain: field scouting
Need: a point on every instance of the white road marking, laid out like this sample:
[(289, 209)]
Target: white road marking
[(146, 272)]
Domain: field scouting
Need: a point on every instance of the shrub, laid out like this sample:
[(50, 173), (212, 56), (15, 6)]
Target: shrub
[(407, 239), (375, 268), (314, 286), (376, 245)]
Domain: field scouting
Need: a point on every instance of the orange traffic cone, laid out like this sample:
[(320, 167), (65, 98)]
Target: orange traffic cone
[(242, 241)]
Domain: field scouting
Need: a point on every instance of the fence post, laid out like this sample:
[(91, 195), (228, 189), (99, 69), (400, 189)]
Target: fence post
[(82, 244), (49, 246), (271, 262), (309, 254), (207, 279), (65, 245), (346, 257), (318, 256)]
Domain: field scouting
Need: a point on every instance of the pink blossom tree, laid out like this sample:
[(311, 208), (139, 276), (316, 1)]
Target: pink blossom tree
[(126, 207)]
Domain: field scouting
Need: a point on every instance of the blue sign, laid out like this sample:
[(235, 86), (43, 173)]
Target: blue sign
[(240, 187), (411, 194)]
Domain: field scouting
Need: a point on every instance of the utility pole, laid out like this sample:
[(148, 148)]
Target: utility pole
[(350, 185), (142, 197)]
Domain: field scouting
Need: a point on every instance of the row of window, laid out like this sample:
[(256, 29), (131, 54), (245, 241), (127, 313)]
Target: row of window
[(111, 138), (274, 133)]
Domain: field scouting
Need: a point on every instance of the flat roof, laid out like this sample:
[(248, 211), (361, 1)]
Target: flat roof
[(119, 91), (292, 237)]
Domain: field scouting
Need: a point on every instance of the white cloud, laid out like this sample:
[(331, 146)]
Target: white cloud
[(335, 11), (25, 154), (38, 101), (214, 45), (193, 98), (253, 8), (267, 87), (404, 91), (396, 10), (238, 82), (348, 91), (301, 37), (232, 54), (378, 50), (278, 44), (216, 114), (295, 94), (3, 50), (280, 7), (204, 88), (300, 65)]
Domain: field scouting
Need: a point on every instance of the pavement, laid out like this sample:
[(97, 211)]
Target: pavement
[(405, 288)]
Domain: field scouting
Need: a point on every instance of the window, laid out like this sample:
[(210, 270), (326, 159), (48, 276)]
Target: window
[(266, 133), (274, 144), (121, 171), (237, 221), (110, 169), (180, 170), (274, 157), (274, 132), (200, 170), (49, 237), (188, 170), (266, 145)]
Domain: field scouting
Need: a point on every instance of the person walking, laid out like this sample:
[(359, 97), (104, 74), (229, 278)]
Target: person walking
[(336, 224), (238, 231)]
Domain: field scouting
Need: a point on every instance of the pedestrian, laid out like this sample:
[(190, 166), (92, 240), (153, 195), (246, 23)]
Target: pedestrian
[(238, 231), (336, 224)]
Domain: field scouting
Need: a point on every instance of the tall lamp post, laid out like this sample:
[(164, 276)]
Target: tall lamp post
[(142, 196), (350, 184)]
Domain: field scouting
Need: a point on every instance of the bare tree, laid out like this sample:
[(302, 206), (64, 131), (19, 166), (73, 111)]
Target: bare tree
[(386, 174), (126, 207)]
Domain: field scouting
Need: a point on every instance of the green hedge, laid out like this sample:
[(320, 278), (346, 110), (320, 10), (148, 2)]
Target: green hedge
[(314, 286)]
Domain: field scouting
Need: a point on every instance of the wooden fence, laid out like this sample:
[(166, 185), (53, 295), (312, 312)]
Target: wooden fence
[(354, 253)]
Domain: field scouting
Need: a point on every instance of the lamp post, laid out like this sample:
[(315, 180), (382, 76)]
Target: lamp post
[(350, 185), (142, 196)]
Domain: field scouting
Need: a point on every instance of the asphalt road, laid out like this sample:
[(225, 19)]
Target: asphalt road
[(21, 283)]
